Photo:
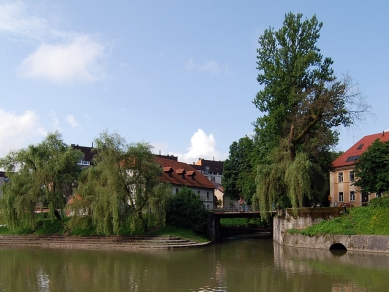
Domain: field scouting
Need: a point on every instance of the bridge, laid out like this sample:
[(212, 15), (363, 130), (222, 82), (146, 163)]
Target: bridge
[(214, 215)]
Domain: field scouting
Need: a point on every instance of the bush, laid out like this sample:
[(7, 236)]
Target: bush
[(186, 210), (382, 202)]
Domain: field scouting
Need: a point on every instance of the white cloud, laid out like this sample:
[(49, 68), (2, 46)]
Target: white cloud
[(63, 63), (72, 121), (202, 146), (61, 56), (210, 66), (17, 131), (16, 20)]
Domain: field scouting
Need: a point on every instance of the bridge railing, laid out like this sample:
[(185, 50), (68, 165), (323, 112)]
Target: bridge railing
[(244, 208)]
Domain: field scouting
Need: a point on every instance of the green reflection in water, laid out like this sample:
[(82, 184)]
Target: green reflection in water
[(234, 265)]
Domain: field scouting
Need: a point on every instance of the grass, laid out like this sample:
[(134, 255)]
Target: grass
[(370, 220), (179, 232)]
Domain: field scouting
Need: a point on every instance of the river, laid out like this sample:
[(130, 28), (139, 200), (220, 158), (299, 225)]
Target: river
[(229, 265)]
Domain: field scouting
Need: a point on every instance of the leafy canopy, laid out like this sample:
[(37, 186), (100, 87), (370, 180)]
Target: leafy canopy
[(372, 168), (186, 210), (238, 173), (302, 102), (42, 174), (122, 188)]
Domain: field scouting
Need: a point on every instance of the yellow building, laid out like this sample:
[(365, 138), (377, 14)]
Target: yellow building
[(342, 189)]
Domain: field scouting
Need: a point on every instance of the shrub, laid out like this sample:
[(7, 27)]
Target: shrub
[(186, 210), (382, 202)]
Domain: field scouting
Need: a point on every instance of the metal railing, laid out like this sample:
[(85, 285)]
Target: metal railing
[(245, 208)]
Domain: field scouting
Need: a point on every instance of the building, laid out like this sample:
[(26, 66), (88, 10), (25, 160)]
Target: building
[(3, 179), (88, 153), (212, 169), (342, 189), (180, 174)]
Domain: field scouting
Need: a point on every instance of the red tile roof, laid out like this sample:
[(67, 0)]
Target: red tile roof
[(182, 174), (351, 155)]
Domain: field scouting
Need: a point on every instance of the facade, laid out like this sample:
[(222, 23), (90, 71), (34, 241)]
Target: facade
[(211, 169), (342, 189), (180, 174), (3, 179), (88, 152)]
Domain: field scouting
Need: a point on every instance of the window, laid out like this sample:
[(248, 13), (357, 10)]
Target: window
[(351, 175), (378, 195), (352, 158), (212, 179), (207, 195), (340, 176), (352, 196), (360, 146), (340, 197), (176, 190), (198, 192)]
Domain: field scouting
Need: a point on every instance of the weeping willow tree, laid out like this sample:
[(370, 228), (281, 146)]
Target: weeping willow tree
[(121, 189), (288, 181), (41, 175)]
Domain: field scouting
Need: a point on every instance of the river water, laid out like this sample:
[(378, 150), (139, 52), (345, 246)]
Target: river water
[(230, 265)]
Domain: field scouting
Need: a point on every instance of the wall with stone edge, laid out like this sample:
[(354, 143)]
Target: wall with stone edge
[(301, 218), (304, 217), (359, 243)]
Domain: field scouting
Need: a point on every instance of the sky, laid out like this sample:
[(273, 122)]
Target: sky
[(180, 75)]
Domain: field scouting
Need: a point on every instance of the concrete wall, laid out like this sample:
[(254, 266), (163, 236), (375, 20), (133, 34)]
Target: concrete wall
[(300, 219), (365, 243), (286, 219)]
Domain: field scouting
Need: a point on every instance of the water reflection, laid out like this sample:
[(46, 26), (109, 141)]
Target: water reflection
[(346, 271), (231, 265)]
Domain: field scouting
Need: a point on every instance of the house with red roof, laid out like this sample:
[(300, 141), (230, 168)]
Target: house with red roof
[(342, 189), (180, 174)]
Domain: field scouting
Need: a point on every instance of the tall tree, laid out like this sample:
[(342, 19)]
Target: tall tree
[(44, 173), (302, 102), (122, 187), (372, 168), (239, 173)]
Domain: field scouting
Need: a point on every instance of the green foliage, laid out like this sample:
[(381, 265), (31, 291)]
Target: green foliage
[(287, 182), (122, 191), (371, 220), (382, 202), (186, 210), (186, 233), (41, 174), (372, 168), (239, 174), (301, 104), (47, 226), (236, 222)]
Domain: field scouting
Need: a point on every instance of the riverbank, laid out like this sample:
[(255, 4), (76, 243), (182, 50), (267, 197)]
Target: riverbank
[(99, 242)]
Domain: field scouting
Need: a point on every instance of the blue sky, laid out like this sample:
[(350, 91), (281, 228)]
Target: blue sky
[(180, 75)]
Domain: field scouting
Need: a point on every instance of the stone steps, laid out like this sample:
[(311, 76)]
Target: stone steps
[(98, 242)]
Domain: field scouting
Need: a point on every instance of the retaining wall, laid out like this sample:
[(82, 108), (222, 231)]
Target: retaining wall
[(304, 217)]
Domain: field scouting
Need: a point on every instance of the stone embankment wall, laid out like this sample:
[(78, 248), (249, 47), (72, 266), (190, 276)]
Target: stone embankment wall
[(301, 218), (288, 219)]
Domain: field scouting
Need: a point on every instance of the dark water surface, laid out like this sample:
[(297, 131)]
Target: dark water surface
[(231, 265)]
